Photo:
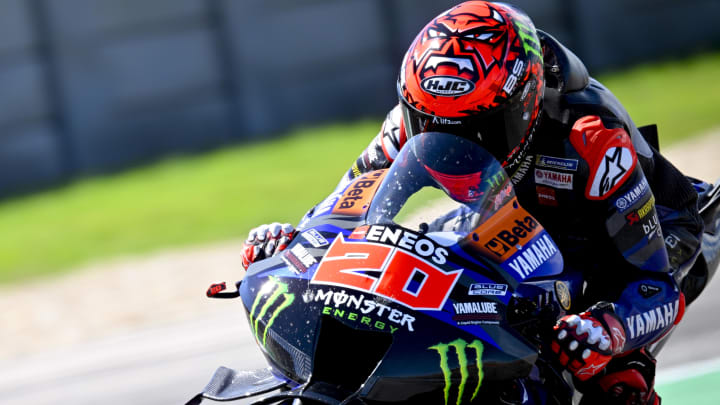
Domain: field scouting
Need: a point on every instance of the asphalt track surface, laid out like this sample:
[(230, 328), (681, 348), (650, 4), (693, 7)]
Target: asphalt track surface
[(169, 364)]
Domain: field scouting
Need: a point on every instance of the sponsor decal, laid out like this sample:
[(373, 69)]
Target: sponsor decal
[(546, 196), (635, 216), (533, 256), (496, 180), (615, 167), (476, 313), (389, 271), (272, 299), (359, 232), (409, 241), (507, 239), (355, 170), (653, 320), (298, 258), (445, 121), (315, 238), (671, 241), (447, 86), (652, 227), (487, 289), (514, 77), (553, 179), (557, 163), (633, 196), (501, 235), (356, 198), (648, 290), (461, 349), (357, 308), (522, 170), (562, 293), (529, 39)]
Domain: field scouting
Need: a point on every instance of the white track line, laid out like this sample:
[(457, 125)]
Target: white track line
[(687, 370)]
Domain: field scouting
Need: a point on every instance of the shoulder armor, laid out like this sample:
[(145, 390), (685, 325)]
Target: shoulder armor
[(609, 153)]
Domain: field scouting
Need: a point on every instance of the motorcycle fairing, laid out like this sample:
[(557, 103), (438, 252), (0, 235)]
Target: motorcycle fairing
[(459, 328)]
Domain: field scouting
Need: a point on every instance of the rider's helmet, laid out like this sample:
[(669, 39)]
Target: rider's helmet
[(476, 71)]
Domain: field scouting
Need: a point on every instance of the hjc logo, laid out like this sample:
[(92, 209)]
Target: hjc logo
[(449, 86)]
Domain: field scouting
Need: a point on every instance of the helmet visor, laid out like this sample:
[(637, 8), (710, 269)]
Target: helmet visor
[(499, 131)]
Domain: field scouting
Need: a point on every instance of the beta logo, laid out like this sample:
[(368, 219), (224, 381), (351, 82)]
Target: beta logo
[(357, 196), (447, 86), (507, 239)]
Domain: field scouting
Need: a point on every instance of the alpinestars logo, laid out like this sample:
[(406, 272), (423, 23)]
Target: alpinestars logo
[(614, 167), (276, 298), (461, 348)]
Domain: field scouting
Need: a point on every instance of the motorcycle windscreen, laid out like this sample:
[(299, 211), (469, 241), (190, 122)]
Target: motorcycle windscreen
[(482, 214), (432, 167)]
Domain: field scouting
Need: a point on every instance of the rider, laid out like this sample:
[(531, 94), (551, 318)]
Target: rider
[(620, 212)]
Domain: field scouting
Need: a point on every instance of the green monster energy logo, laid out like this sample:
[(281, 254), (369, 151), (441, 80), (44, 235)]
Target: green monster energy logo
[(529, 39), (277, 291), (460, 346)]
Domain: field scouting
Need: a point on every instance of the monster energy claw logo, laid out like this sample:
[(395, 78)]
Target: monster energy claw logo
[(529, 39), (460, 347), (278, 294)]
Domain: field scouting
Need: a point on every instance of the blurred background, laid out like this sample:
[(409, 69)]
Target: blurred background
[(94, 86), (141, 140)]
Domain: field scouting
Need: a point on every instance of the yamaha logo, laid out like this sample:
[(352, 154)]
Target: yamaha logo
[(447, 86)]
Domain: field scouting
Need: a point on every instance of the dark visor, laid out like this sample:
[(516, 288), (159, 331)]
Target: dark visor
[(499, 130)]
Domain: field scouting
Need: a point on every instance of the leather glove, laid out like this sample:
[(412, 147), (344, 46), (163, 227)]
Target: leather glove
[(266, 240), (584, 344)]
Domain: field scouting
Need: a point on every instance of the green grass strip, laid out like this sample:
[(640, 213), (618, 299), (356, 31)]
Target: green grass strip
[(697, 390), (222, 194), (181, 201), (681, 97)]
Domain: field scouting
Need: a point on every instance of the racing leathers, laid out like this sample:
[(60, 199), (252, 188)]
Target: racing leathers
[(622, 215)]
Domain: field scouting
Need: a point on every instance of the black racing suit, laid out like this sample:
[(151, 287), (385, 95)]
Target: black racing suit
[(619, 211)]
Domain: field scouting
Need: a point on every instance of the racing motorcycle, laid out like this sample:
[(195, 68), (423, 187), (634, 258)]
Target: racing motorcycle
[(372, 304)]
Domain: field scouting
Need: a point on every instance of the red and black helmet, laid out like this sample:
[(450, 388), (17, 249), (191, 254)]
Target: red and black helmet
[(475, 71)]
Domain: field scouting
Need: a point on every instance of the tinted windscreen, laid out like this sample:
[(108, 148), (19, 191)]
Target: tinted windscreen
[(453, 182)]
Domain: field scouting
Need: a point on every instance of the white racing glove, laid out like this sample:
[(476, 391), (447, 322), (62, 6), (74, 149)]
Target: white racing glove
[(265, 241)]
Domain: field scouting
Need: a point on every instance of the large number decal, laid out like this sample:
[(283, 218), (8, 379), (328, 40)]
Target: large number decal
[(386, 271)]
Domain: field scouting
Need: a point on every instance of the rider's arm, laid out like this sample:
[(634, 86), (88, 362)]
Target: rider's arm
[(638, 283), (379, 154), (382, 149)]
